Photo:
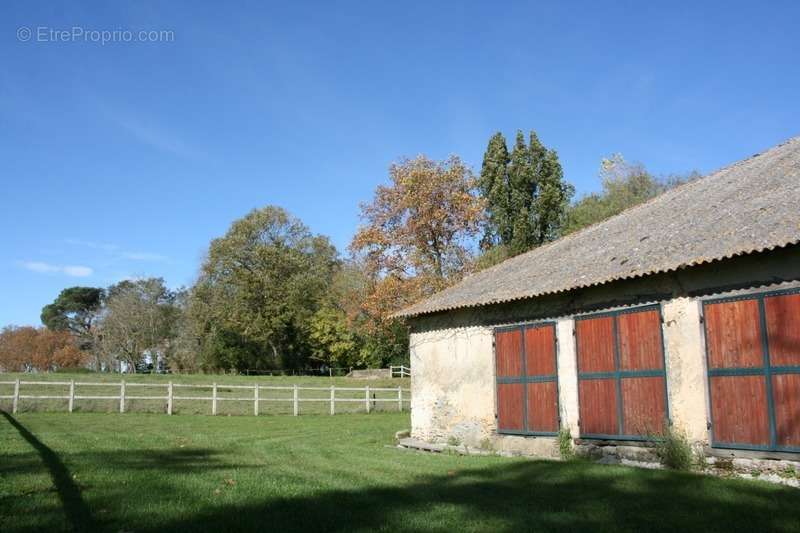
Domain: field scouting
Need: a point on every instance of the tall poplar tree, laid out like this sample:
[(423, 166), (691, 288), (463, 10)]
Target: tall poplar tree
[(523, 185), (493, 185), (525, 192), (552, 195)]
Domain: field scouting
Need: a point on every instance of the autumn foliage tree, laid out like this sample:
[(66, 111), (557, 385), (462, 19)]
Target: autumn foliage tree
[(418, 232), (23, 349)]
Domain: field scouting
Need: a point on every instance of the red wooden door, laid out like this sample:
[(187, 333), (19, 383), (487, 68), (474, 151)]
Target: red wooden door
[(642, 378), (621, 375), (753, 352), (782, 316), (508, 360), (597, 394), (527, 387), (540, 371)]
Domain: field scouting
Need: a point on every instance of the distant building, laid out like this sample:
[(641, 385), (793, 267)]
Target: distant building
[(684, 310)]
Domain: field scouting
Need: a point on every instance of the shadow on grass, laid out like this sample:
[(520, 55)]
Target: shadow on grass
[(522, 496), (76, 510), (501, 496)]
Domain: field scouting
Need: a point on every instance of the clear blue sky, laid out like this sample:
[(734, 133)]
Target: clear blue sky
[(125, 159)]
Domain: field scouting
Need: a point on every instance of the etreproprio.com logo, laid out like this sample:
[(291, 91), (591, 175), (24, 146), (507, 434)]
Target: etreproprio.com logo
[(79, 34)]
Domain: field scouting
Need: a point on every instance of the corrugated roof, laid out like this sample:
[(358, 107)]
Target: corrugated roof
[(750, 206)]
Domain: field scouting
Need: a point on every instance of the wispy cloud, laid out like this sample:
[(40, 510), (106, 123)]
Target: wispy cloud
[(148, 130), (156, 136), (37, 266), (143, 256), (77, 271), (118, 251), (94, 245)]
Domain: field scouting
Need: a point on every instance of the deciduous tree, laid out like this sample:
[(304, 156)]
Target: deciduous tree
[(624, 185), (258, 289), (525, 192), (139, 319), (334, 341), (27, 348), (417, 233), (495, 190)]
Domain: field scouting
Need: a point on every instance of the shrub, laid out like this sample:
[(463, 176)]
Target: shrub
[(453, 440), (565, 444), (701, 463), (673, 449)]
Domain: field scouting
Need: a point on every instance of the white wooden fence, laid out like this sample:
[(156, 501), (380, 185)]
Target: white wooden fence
[(256, 398), (400, 371)]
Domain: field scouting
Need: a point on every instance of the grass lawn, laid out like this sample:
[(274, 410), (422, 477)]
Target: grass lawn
[(140, 472)]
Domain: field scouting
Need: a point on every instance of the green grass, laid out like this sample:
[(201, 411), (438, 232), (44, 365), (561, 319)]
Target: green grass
[(197, 406), (154, 473)]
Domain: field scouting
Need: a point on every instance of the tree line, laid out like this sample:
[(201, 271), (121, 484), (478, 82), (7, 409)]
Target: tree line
[(272, 295)]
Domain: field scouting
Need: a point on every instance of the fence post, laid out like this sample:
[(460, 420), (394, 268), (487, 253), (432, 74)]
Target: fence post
[(15, 401), (255, 400), (333, 399), (122, 397), (71, 402), (400, 398), (295, 399), (366, 398), (169, 398), (214, 400)]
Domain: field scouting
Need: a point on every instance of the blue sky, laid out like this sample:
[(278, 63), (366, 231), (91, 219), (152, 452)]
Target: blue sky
[(124, 159)]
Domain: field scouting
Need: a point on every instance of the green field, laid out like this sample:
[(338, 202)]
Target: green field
[(274, 401), (154, 473)]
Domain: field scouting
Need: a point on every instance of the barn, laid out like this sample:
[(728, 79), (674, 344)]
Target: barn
[(683, 312)]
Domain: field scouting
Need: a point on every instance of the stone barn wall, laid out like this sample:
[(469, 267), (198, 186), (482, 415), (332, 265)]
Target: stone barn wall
[(452, 385), (452, 355)]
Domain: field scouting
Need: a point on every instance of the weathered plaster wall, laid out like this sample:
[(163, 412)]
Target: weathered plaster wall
[(686, 375), (567, 375), (453, 385)]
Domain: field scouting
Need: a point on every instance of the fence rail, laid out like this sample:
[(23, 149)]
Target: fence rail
[(399, 396), (400, 371)]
